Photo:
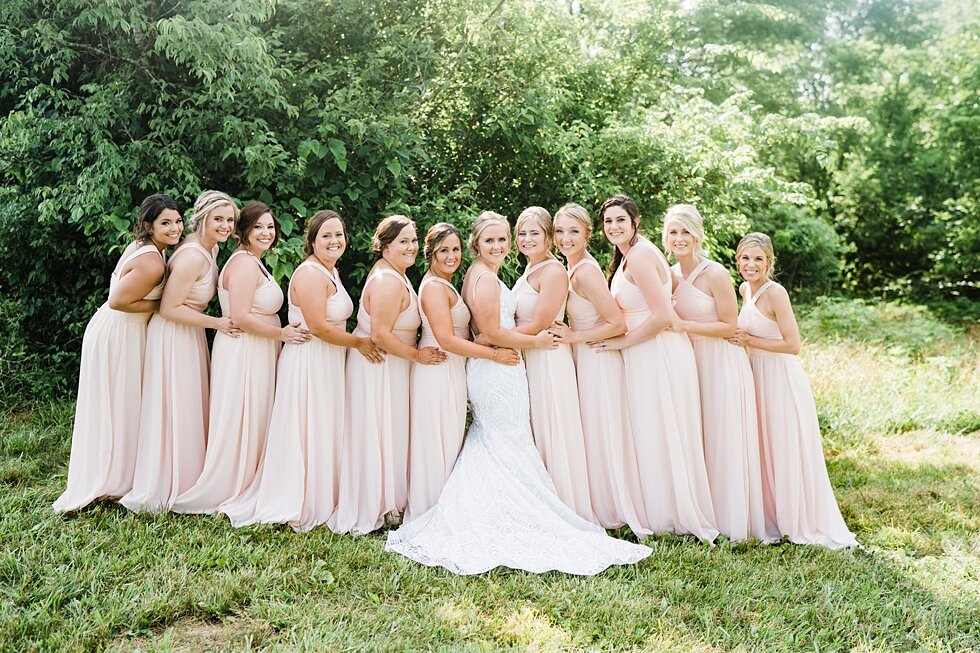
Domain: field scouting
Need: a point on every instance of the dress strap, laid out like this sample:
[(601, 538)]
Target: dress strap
[(315, 266), (139, 251), (585, 261), (387, 271), (537, 266), (697, 271), (752, 299), (477, 280), (221, 275), (196, 246), (434, 279)]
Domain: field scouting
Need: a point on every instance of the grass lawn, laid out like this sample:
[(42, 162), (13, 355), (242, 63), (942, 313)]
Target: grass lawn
[(899, 400)]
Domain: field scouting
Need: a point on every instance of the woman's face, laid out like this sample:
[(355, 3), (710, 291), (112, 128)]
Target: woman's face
[(494, 244), (262, 234), (330, 242), (752, 264), (220, 223), (447, 257), (617, 226), (680, 241), (531, 239), (167, 229), (402, 251), (571, 236)]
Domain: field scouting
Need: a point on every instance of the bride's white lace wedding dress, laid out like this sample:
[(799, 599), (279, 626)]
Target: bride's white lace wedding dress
[(499, 506)]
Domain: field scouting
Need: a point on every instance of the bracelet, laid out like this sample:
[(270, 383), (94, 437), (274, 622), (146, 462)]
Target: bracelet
[(494, 358)]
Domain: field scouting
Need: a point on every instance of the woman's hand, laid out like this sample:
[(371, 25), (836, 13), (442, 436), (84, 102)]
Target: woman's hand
[(294, 334), (430, 356), (611, 344), (563, 333), (545, 340), (227, 327), (370, 351), (740, 338), (506, 356), (482, 340)]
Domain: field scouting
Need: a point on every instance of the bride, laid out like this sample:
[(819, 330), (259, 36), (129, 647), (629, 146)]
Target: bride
[(499, 506)]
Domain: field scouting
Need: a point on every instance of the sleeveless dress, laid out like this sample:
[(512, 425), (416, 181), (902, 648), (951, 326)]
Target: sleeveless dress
[(665, 416), (374, 467), (243, 386), (556, 420), (174, 414), (728, 415), (299, 476), (499, 507), (438, 411), (613, 472), (797, 493), (107, 412)]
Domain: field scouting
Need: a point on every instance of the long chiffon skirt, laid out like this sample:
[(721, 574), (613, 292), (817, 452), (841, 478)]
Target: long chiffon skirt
[(299, 476), (107, 412), (374, 467), (613, 472), (665, 415), (556, 423), (731, 439), (796, 488), (173, 417), (438, 415), (243, 386)]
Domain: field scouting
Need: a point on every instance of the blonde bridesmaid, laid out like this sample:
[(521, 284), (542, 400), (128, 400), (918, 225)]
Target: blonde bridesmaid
[(299, 476), (243, 369), (797, 492), (374, 468), (107, 412), (556, 420), (661, 381), (613, 473), (438, 394), (174, 416), (704, 299)]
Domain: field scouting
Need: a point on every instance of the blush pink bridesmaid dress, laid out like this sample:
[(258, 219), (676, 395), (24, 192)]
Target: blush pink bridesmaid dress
[(243, 386), (728, 416), (374, 458), (796, 488), (107, 412), (299, 476), (174, 415), (665, 416), (438, 411), (556, 420)]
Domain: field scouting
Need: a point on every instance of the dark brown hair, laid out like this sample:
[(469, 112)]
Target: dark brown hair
[(387, 231), (633, 212), (434, 237), (150, 210), (314, 225), (249, 215)]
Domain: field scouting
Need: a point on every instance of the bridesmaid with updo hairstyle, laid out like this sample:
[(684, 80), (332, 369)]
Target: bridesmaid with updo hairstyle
[(704, 299), (299, 476), (374, 469), (438, 410), (174, 416), (797, 493), (593, 316), (555, 416), (661, 381), (107, 411), (243, 369)]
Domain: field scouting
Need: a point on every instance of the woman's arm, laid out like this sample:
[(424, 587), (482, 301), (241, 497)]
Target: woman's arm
[(551, 295), (785, 320), (383, 300), (726, 306), (243, 276), (311, 290), (648, 273), (485, 311), (437, 302), (184, 271), (136, 280), (590, 284)]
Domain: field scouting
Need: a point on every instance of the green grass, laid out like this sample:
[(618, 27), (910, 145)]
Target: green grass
[(900, 418)]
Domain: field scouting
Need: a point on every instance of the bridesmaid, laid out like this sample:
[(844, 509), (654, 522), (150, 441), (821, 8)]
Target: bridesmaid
[(438, 394), (374, 468), (665, 410), (174, 419), (298, 477), (243, 370), (556, 421), (704, 299), (107, 412), (613, 473), (797, 492)]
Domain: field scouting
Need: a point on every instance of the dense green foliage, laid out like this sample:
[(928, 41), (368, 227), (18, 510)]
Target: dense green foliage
[(847, 130)]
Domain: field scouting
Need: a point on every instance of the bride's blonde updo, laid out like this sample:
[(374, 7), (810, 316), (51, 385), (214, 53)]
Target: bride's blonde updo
[(485, 219)]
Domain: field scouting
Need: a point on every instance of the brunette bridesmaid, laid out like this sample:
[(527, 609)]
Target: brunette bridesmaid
[(174, 416), (797, 492), (243, 369), (374, 467), (299, 476), (593, 315), (107, 412), (438, 393), (556, 420), (661, 381), (704, 299)]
